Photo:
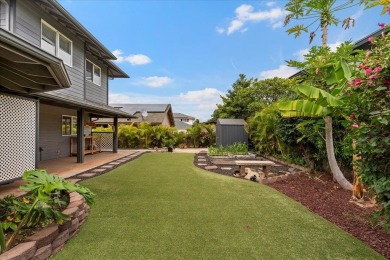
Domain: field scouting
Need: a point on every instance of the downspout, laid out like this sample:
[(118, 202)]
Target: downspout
[(37, 149), (85, 64), (12, 16)]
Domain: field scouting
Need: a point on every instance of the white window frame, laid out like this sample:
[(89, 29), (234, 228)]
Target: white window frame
[(73, 121), (6, 14), (93, 73), (57, 47)]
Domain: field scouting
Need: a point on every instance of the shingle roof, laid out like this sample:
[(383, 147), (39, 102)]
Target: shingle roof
[(231, 122), (134, 108), (181, 126), (180, 115)]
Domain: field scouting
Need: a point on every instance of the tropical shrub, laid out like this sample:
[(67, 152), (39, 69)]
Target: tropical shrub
[(234, 149), (46, 196), (369, 115)]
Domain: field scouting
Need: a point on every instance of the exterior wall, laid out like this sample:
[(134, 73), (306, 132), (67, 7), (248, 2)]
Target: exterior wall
[(94, 92), (165, 122), (230, 134), (28, 27), (52, 142)]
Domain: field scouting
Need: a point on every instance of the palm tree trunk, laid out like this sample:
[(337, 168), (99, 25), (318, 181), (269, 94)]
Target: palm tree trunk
[(337, 174)]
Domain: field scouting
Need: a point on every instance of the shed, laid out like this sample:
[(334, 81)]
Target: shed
[(230, 131)]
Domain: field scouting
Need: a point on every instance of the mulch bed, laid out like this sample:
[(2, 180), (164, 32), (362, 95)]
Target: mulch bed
[(326, 198)]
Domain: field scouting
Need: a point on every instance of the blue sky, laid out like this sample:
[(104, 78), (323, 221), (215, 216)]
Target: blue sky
[(188, 53)]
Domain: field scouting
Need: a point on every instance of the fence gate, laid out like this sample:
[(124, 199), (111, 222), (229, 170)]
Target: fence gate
[(17, 136), (106, 140)]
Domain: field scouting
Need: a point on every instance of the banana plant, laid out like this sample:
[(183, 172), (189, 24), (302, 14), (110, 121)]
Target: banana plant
[(318, 102)]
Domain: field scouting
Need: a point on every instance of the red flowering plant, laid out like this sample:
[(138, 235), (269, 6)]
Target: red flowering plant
[(369, 110)]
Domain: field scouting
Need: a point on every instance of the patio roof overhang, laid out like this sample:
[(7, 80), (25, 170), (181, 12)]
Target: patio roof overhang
[(96, 110), (27, 69)]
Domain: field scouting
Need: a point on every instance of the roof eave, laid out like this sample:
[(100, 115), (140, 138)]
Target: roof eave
[(68, 16)]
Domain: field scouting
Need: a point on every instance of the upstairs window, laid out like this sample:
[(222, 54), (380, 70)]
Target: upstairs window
[(56, 44), (92, 73), (4, 15)]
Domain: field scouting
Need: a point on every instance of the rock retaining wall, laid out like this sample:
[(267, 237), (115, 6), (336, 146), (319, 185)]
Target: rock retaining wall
[(50, 240)]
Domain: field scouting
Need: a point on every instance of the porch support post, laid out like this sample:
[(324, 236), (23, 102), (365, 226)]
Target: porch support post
[(80, 136), (115, 135)]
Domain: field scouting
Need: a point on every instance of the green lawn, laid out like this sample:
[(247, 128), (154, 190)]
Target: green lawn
[(161, 206)]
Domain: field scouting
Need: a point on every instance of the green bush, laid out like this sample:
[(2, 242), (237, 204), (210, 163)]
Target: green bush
[(234, 149)]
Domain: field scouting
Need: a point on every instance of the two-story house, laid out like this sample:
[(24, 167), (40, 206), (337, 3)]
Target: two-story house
[(54, 78)]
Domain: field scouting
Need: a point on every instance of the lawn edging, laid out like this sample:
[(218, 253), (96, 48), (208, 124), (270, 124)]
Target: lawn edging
[(51, 239)]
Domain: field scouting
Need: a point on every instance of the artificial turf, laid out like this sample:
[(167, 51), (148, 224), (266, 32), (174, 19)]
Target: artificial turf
[(161, 206)]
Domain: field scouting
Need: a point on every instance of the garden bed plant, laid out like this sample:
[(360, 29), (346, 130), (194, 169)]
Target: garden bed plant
[(229, 150), (46, 196)]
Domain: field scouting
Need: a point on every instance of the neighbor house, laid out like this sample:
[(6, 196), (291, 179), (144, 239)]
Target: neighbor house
[(54, 78), (154, 114), (184, 118)]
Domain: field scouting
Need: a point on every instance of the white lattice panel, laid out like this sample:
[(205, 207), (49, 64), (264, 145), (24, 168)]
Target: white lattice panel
[(106, 141), (17, 136)]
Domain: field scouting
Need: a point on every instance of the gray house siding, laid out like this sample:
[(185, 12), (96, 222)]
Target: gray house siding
[(28, 27), (51, 141), (94, 92)]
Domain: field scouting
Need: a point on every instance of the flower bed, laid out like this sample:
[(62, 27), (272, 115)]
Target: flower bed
[(50, 240)]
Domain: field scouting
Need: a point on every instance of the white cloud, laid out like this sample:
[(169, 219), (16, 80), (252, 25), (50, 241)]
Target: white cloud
[(134, 60), (197, 103), (220, 30), (271, 3), (301, 54), (118, 54), (278, 24), (155, 81), (245, 13), (283, 71), (138, 59)]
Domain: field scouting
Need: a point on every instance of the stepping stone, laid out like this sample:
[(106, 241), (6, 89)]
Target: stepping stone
[(114, 163), (107, 166), (74, 180), (226, 168), (201, 157), (201, 160), (87, 175), (99, 170), (202, 164), (213, 167)]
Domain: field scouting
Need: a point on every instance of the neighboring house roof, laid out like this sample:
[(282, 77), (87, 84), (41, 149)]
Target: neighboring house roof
[(134, 108), (231, 122), (94, 46), (27, 68), (180, 115), (96, 109), (181, 125), (157, 113)]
